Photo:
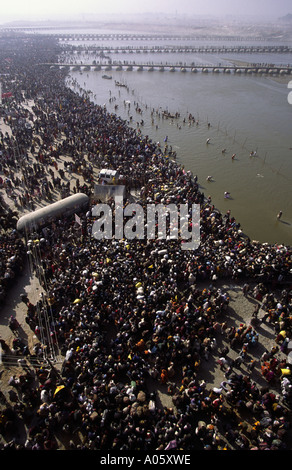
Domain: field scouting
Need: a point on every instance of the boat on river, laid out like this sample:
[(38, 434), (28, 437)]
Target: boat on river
[(120, 84)]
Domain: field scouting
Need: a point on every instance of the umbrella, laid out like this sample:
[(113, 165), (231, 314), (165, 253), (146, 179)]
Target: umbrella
[(58, 389)]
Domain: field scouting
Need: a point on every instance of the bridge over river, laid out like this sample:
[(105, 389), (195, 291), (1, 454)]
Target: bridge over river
[(86, 36), (236, 69), (137, 49)]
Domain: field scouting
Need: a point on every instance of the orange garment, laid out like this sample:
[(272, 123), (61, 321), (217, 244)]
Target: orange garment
[(140, 345), (163, 376)]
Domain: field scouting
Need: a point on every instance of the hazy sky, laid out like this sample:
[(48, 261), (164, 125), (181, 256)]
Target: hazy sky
[(53, 9)]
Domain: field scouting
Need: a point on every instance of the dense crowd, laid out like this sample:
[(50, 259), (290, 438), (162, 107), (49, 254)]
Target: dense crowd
[(12, 250), (129, 316)]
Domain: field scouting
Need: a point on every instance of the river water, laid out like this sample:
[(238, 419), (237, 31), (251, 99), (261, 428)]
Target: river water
[(245, 113)]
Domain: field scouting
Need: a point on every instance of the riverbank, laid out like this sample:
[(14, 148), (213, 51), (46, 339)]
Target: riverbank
[(250, 179), (135, 317), (284, 79)]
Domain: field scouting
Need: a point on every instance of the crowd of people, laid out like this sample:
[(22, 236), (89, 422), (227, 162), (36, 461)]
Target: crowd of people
[(129, 316), (12, 249)]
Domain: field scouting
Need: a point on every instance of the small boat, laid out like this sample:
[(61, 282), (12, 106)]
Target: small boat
[(120, 84), (169, 115), (107, 77)]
